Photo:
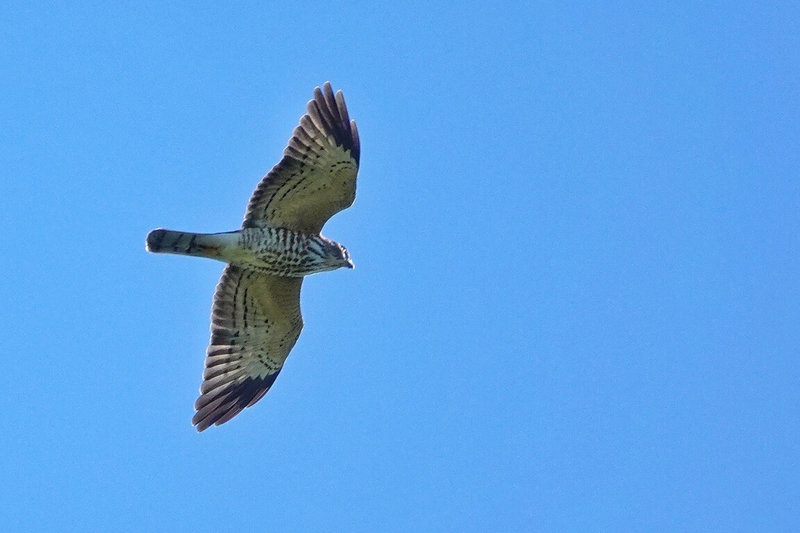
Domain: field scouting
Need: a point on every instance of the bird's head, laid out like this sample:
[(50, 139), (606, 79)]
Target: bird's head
[(345, 257), (335, 255)]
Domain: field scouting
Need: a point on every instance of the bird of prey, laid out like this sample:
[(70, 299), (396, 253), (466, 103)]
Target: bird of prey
[(255, 317)]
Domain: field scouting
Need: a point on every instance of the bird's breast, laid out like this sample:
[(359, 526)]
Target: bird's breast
[(279, 251)]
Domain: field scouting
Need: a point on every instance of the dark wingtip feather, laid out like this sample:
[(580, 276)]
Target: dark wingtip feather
[(331, 109), (355, 151), (221, 404)]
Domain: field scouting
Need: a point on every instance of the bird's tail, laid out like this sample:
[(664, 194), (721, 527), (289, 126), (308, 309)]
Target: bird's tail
[(164, 241)]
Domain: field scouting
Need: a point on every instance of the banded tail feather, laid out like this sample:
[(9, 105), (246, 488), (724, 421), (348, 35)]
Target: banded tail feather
[(164, 241)]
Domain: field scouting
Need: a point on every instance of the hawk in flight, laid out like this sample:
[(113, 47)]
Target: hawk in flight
[(255, 317)]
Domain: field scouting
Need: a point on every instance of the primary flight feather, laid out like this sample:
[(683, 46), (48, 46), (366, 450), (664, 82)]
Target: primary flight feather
[(255, 318)]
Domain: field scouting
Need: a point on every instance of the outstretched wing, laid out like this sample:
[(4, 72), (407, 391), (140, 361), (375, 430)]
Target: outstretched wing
[(255, 321), (316, 178)]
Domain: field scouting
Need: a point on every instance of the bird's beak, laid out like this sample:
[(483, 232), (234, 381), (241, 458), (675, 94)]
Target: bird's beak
[(350, 263)]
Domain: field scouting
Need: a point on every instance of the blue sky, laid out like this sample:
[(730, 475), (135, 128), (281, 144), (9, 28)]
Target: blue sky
[(576, 300)]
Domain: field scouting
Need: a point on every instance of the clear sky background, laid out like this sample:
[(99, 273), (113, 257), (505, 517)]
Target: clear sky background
[(577, 240)]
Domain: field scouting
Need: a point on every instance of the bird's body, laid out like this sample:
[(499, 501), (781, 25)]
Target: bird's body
[(255, 319), (277, 251)]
